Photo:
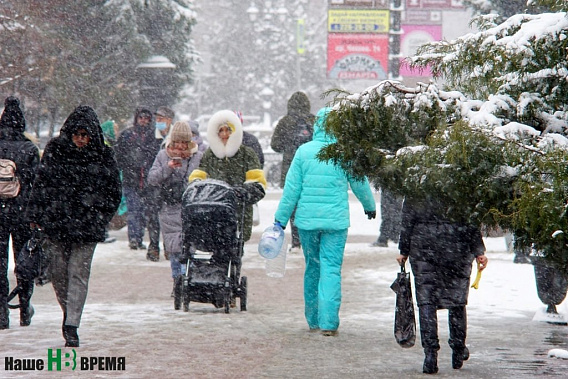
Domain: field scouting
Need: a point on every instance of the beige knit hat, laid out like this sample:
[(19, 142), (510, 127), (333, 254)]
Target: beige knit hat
[(180, 132)]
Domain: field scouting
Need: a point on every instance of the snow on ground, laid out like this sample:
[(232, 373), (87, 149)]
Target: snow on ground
[(129, 313), (505, 289)]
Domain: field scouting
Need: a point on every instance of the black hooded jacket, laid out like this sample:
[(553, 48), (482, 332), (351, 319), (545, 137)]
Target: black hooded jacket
[(77, 190), (136, 150), (15, 146), (293, 130)]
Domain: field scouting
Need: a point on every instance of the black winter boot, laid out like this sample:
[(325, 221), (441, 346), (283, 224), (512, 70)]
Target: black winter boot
[(430, 362), (71, 336), (429, 336), (177, 292), (457, 318)]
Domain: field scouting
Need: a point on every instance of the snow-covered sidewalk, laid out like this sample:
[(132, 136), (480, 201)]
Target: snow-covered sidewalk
[(129, 315)]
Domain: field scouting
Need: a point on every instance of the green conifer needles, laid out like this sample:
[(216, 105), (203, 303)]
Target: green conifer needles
[(417, 141)]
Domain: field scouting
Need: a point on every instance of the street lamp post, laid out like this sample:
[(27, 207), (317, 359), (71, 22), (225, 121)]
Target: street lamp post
[(155, 77), (395, 32), (266, 95)]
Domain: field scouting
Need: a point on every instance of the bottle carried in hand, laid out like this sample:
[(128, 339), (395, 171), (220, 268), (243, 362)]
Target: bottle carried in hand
[(272, 246), (271, 241)]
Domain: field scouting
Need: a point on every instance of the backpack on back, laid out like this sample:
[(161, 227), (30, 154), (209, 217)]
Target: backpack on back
[(9, 182)]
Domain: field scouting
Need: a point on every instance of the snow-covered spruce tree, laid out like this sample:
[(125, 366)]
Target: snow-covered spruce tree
[(414, 142), (497, 149), (503, 9), (519, 66)]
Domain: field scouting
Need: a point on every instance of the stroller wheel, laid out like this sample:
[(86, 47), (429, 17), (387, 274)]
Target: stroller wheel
[(227, 300), (243, 294), (227, 305)]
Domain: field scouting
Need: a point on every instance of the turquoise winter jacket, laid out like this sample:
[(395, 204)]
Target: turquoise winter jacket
[(318, 189)]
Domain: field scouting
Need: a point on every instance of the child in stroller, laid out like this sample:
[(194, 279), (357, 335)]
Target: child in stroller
[(210, 223)]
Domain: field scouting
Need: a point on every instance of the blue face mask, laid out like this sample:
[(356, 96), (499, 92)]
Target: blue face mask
[(161, 125)]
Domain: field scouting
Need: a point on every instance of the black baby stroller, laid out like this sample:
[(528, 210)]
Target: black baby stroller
[(210, 223)]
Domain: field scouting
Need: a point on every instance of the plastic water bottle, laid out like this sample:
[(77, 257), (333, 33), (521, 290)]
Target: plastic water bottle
[(276, 267), (271, 241), (273, 249)]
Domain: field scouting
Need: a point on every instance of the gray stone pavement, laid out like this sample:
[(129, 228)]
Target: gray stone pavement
[(130, 314)]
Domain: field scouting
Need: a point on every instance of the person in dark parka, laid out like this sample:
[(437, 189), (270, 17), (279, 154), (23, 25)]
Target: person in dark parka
[(25, 154), (135, 151), (293, 130), (75, 195), (251, 141), (441, 253)]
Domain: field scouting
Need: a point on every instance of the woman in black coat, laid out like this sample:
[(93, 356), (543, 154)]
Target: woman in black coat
[(15, 146), (441, 253), (75, 195)]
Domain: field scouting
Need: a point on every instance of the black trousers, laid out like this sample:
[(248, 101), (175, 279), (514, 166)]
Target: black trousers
[(457, 321), (153, 225), (20, 234), (295, 234)]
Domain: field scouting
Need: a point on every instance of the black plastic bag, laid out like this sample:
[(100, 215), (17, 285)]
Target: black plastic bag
[(32, 262), (404, 321)]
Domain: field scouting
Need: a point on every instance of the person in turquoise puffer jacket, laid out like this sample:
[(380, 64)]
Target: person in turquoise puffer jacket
[(318, 191)]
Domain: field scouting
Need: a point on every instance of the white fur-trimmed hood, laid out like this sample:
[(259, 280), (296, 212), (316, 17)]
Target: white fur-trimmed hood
[(235, 140)]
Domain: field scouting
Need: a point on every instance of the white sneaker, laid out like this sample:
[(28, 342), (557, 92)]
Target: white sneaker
[(295, 250)]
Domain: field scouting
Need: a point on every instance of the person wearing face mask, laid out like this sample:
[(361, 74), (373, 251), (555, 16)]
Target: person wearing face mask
[(75, 194), (164, 117)]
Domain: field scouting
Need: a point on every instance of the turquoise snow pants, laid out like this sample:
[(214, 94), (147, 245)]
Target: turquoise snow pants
[(323, 252)]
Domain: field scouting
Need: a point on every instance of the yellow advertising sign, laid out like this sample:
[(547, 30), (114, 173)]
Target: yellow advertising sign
[(358, 21)]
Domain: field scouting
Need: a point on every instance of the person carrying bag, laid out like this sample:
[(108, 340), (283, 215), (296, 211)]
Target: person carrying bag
[(19, 161)]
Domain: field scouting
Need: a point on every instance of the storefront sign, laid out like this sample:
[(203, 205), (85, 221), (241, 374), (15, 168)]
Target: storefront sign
[(358, 21), (357, 56), (377, 4), (434, 4)]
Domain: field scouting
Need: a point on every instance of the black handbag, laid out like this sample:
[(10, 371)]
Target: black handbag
[(31, 265), (404, 321), (32, 262)]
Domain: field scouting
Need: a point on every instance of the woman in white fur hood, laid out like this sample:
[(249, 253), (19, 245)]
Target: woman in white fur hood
[(227, 159)]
